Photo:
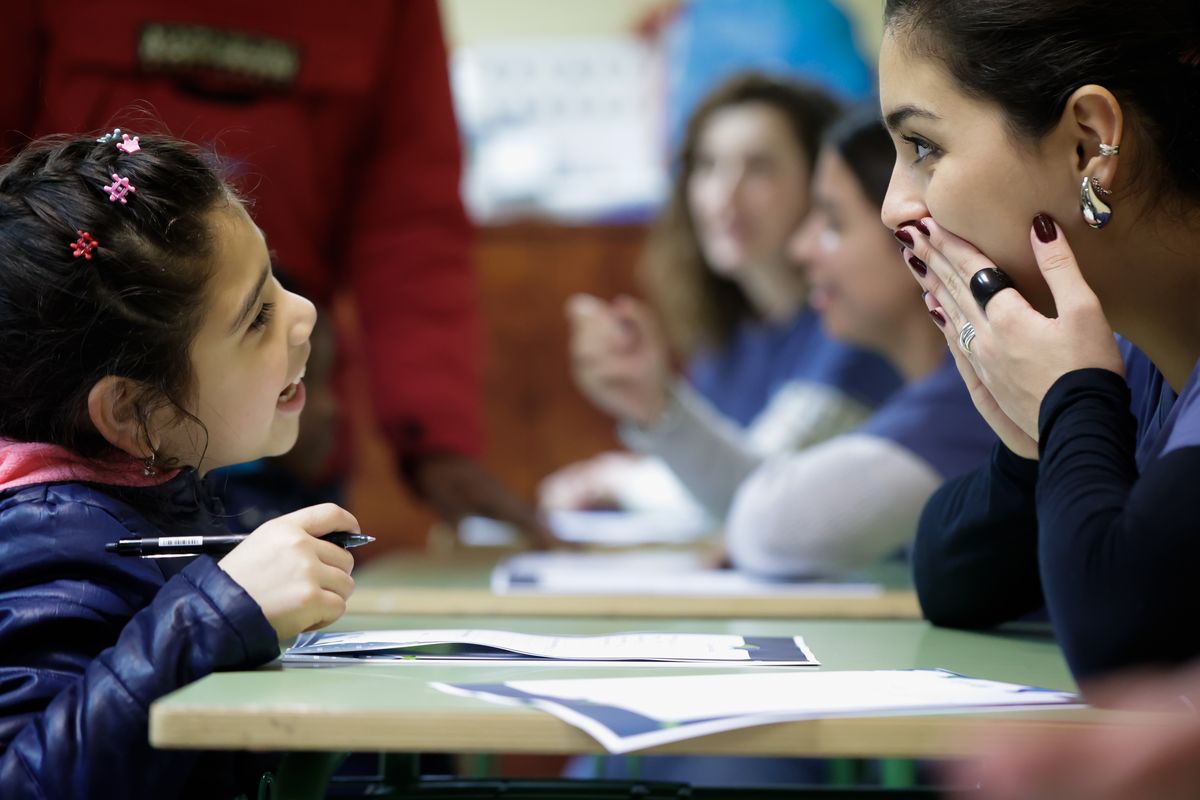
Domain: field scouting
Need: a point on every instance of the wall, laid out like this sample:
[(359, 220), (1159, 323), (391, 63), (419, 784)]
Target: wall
[(473, 21)]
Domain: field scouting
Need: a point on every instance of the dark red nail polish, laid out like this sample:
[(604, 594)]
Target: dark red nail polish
[(916, 223), (918, 266), (937, 317), (1043, 228), (904, 237)]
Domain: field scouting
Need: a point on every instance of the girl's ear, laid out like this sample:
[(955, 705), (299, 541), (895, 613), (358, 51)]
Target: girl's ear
[(113, 410)]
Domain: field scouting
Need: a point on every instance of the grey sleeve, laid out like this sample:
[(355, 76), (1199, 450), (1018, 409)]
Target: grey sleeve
[(833, 508), (711, 455)]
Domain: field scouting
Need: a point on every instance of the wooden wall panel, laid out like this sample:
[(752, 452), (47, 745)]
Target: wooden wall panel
[(535, 419)]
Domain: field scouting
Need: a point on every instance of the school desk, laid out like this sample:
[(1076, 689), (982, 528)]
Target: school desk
[(393, 708)]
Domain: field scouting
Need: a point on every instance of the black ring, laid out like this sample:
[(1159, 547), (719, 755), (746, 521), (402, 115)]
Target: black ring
[(986, 283)]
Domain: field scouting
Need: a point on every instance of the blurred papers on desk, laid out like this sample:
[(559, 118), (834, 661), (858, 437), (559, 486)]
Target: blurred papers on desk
[(627, 714), (653, 572), (508, 646), (597, 528)]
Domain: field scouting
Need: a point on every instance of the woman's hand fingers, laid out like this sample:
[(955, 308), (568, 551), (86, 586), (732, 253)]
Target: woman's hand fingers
[(1059, 268)]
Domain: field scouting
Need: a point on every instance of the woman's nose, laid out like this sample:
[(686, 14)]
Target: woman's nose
[(904, 201)]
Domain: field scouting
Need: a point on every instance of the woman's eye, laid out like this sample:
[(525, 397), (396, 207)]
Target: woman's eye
[(921, 148), (263, 317)]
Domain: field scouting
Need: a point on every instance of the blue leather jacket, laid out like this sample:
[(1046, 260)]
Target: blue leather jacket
[(88, 640)]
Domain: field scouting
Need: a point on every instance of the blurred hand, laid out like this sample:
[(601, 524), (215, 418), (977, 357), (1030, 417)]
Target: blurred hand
[(619, 358), (456, 486), (589, 485), (300, 582), (1148, 759)]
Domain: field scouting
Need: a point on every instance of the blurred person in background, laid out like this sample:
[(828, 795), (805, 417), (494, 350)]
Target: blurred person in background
[(856, 498), (760, 376)]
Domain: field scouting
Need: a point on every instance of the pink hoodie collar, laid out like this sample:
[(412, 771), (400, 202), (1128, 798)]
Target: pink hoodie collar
[(27, 463)]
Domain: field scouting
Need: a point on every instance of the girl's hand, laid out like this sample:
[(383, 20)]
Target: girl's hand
[(619, 358), (1017, 353), (300, 582)]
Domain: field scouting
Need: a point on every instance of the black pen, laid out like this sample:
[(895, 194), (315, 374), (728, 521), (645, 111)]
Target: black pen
[(178, 546)]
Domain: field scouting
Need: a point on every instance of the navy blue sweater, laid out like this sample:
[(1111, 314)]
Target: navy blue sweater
[(1102, 530)]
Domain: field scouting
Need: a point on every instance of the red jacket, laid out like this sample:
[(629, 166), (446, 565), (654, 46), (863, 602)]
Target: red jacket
[(338, 122)]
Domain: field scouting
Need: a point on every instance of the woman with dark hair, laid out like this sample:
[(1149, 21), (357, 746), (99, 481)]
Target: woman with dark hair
[(761, 376), (856, 498), (1047, 193)]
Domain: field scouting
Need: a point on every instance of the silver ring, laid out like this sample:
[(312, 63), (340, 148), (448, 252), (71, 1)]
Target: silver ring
[(966, 335), (1109, 149)]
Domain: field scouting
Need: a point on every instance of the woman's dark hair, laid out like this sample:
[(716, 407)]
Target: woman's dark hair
[(1028, 56), (699, 308), (132, 310), (863, 142)]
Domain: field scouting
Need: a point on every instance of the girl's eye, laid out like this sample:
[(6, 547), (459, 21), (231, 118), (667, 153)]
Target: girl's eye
[(263, 317), (921, 148)]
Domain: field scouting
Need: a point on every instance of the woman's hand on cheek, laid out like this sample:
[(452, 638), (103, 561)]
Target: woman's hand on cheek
[(1014, 438), (300, 582), (1017, 353)]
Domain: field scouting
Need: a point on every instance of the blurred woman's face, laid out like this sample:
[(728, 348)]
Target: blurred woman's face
[(855, 278), (748, 189)]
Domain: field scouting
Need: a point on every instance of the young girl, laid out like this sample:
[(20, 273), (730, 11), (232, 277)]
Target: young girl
[(143, 342)]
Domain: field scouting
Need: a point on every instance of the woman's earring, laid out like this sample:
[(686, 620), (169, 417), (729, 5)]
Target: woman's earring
[(1096, 212), (148, 468)]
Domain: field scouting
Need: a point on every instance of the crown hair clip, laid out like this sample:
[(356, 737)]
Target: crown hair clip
[(84, 245), (129, 144), (110, 137), (119, 189)]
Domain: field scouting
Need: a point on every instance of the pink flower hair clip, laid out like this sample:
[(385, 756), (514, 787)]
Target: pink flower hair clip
[(84, 245), (119, 188), (129, 144)]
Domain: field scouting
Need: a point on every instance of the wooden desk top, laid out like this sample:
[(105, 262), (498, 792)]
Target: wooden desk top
[(458, 584)]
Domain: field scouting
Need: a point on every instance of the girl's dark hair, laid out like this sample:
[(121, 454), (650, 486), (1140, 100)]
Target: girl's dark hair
[(1028, 56), (131, 311), (863, 142), (699, 308)]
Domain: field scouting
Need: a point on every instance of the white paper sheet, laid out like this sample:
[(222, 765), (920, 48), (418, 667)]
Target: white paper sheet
[(651, 573), (671, 647), (626, 714), (600, 528)]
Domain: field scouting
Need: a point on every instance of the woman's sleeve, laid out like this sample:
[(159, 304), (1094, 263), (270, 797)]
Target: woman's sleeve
[(75, 724), (975, 556), (711, 455), (1118, 550), (835, 507)]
